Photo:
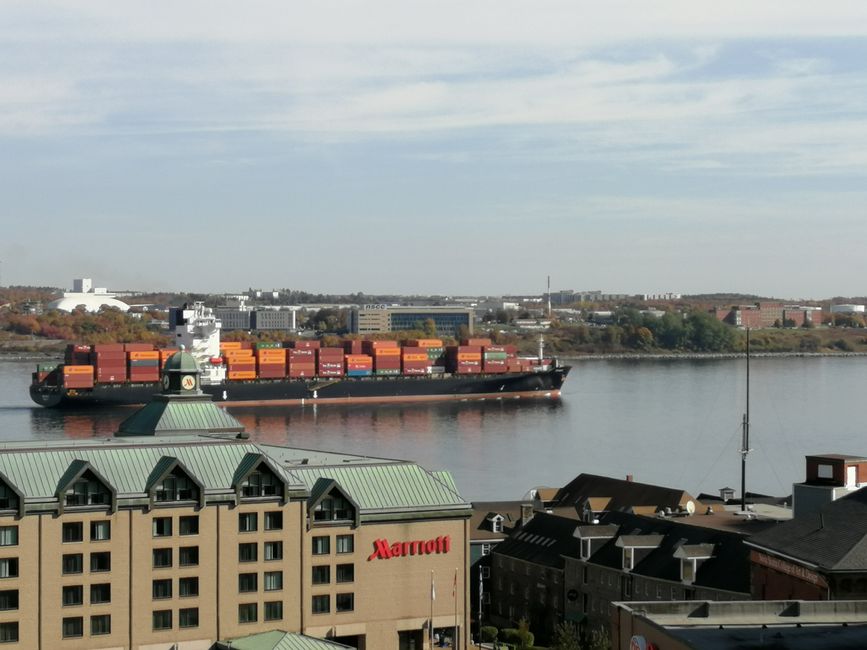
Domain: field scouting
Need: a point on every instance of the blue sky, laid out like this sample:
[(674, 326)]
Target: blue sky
[(436, 147)]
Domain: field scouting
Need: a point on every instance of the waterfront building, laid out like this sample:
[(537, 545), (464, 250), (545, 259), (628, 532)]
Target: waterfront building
[(769, 314), (449, 321), (153, 541), (709, 625), (828, 477), (84, 294), (819, 555)]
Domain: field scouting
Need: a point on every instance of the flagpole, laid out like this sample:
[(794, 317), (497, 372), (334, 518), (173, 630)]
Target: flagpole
[(432, 597), (455, 594)]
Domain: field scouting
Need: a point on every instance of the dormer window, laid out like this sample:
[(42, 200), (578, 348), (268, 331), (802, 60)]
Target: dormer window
[(261, 483), (8, 499), (334, 507), (628, 558), (497, 525), (87, 491), (177, 486), (585, 549)]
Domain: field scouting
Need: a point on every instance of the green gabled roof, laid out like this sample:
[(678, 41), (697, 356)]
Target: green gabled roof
[(182, 362), (165, 415), (127, 467), (391, 486), (279, 640)]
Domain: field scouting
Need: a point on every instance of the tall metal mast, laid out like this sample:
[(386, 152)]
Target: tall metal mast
[(745, 442)]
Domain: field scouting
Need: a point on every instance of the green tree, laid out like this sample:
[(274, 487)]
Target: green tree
[(566, 637), (525, 637), (429, 327)]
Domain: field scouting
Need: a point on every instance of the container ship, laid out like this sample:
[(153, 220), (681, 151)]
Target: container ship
[(295, 372)]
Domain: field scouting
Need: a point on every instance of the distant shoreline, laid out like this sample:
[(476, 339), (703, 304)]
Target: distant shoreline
[(688, 356)]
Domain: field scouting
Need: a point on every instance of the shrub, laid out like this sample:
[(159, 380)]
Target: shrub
[(488, 633)]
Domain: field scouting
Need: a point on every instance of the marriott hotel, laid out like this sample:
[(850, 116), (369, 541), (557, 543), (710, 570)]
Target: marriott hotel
[(190, 540)]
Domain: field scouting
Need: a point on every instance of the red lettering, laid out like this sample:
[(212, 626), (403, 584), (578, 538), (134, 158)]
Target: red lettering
[(381, 550)]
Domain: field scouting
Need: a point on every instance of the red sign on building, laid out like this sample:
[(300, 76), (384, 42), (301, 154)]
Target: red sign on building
[(382, 550)]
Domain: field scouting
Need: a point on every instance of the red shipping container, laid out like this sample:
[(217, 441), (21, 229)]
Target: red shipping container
[(306, 344), (302, 353), (495, 348), (297, 373), (108, 347), (331, 373), (352, 347), (478, 342), (138, 347), (368, 346)]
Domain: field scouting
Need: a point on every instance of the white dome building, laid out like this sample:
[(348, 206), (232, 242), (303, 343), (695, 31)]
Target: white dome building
[(84, 294)]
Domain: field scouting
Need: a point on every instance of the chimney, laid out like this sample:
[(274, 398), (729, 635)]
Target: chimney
[(629, 477), (526, 513)]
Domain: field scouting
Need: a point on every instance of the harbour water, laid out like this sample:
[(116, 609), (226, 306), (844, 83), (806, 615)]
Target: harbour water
[(672, 422)]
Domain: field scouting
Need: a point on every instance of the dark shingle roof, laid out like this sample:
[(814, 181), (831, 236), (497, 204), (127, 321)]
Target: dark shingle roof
[(833, 539), (543, 540), (728, 569), (480, 528), (623, 495)]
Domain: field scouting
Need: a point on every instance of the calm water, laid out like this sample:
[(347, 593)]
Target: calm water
[(675, 423)]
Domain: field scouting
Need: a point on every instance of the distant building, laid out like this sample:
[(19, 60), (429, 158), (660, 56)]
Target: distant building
[(448, 321), (590, 494), (709, 625), (848, 309), (769, 314), (84, 294)]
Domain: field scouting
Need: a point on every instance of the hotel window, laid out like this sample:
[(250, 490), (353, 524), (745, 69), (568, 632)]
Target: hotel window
[(100, 593), (8, 535), (188, 556), (274, 520), (321, 574), (162, 619), (248, 522), (73, 563), (176, 487), (9, 599), (248, 613), (188, 587), (188, 617), (162, 527), (8, 498), (73, 627), (73, 595), (334, 507), (273, 551), (162, 558), (8, 567), (189, 525), (274, 610), (321, 545), (345, 543), (100, 562), (345, 573), (248, 552), (273, 580), (261, 483), (8, 632), (248, 582), (161, 589), (321, 604), (344, 602), (100, 531), (72, 532), (100, 624), (87, 491)]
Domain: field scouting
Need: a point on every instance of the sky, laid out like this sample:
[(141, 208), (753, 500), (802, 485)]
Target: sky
[(448, 147)]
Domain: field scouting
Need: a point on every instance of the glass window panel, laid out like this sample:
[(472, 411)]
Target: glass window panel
[(189, 525), (100, 562), (274, 611), (273, 550), (345, 543), (73, 627), (247, 613), (100, 624), (8, 535), (162, 589), (321, 545), (73, 563), (188, 617), (188, 587), (273, 580)]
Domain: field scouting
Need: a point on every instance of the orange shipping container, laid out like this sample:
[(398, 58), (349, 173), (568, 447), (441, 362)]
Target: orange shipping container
[(77, 370), (415, 357), (242, 374), (469, 356), (387, 352), (230, 345), (142, 356), (358, 358), (424, 343)]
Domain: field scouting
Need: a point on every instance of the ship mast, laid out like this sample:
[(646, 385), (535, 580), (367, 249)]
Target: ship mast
[(745, 441)]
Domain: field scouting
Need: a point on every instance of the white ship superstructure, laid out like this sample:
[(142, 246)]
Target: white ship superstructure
[(198, 330)]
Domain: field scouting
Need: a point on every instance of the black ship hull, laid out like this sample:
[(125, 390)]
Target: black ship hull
[(263, 392)]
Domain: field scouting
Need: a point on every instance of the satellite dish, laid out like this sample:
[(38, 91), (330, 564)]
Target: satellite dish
[(690, 507)]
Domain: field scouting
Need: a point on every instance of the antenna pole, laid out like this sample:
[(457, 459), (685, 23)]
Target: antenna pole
[(745, 444), (549, 297)]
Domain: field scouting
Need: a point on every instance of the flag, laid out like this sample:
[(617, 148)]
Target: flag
[(433, 589), (455, 586)]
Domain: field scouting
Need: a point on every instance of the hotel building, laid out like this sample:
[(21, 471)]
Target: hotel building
[(179, 541)]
